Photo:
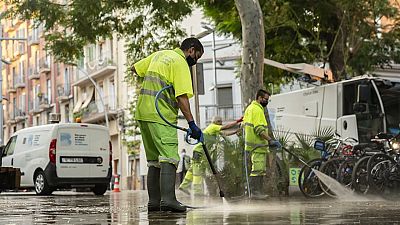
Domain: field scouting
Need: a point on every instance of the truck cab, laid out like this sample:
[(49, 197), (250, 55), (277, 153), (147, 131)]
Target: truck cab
[(358, 108)]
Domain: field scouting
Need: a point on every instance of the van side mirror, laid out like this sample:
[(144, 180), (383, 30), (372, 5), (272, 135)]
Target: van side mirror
[(363, 93)]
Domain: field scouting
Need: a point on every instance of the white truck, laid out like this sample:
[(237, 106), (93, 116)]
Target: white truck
[(360, 107)]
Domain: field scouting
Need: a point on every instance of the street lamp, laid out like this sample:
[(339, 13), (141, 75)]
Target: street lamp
[(1, 79), (212, 30), (98, 91), (195, 84)]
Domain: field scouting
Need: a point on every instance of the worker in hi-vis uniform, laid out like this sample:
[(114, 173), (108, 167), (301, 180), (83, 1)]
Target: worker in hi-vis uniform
[(197, 170), (160, 69), (257, 141)]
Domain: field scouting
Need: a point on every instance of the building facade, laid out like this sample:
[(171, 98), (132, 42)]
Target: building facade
[(34, 85), (38, 90)]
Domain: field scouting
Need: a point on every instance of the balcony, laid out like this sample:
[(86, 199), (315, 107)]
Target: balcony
[(44, 65), (33, 73), (44, 103), (34, 106), (20, 81), (33, 40), (95, 69), (228, 113), (94, 113), (10, 25), (11, 87), (16, 115), (63, 92), (20, 115)]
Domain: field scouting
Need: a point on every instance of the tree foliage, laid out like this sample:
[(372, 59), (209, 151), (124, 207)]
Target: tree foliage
[(68, 27), (352, 36)]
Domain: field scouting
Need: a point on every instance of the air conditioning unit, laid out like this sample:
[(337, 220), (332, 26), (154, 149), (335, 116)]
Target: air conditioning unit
[(54, 117)]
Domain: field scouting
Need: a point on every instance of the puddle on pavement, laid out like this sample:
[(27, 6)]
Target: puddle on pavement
[(130, 208)]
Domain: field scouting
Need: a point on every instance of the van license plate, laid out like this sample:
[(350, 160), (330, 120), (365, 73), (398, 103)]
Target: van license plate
[(72, 160)]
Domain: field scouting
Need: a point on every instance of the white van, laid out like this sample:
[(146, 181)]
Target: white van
[(61, 156)]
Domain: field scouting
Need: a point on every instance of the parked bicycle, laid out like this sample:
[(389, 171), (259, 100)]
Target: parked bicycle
[(341, 166), (308, 181), (383, 169)]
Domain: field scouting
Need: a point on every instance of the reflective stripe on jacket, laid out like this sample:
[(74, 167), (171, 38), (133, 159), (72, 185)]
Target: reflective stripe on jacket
[(161, 69), (255, 123)]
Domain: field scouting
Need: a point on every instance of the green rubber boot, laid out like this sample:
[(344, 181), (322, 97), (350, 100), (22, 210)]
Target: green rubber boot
[(153, 189), (256, 187), (167, 181)]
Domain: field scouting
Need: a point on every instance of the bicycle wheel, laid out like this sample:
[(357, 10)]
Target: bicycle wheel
[(308, 181), (345, 171), (359, 177), (379, 167), (330, 168)]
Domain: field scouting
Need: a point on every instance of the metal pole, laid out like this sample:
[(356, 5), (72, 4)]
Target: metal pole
[(98, 91), (1, 89), (196, 95), (215, 73)]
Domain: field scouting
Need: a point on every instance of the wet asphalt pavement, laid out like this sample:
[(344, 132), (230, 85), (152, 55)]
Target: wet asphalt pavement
[(128, 207)]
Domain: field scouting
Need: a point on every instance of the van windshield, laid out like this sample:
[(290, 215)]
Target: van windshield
[(370, 122), (390, 93)]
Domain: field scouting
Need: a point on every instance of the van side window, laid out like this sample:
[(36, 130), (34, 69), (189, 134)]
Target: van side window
[(9, 149)]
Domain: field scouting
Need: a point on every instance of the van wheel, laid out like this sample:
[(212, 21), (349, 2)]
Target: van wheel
[(100, 189), (41, 185)]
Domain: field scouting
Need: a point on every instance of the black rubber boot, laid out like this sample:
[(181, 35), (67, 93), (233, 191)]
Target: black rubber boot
[(167, 181), (153, 189), (256, 186)]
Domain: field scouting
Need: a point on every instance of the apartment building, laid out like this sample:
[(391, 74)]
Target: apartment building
[(31, 79), (38, 90), (101, 95)]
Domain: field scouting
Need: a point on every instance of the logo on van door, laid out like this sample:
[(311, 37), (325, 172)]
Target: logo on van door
[(65, 139)]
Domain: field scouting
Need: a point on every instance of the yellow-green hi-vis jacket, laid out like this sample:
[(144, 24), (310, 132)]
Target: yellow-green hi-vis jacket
[(255, 123), (161, 69)]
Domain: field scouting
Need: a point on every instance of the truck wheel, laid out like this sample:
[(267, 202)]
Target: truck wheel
[(41, 185), (100, 189)]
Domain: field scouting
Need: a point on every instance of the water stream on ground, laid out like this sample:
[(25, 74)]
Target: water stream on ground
[(334, 186)]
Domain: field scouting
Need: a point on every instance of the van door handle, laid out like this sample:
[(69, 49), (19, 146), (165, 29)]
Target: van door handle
[(12, 161)]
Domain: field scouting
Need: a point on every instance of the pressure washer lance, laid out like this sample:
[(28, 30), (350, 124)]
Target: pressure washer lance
[(187, 139), (297, 157)]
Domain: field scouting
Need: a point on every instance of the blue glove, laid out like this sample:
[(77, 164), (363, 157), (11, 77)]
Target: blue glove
[(196, 132), (275, 144)]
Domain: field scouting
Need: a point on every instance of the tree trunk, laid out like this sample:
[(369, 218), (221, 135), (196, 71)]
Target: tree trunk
[(338, 45), (251, 77)]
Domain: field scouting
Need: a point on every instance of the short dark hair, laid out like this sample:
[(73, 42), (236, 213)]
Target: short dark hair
[(261, 93), (192, 42)]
